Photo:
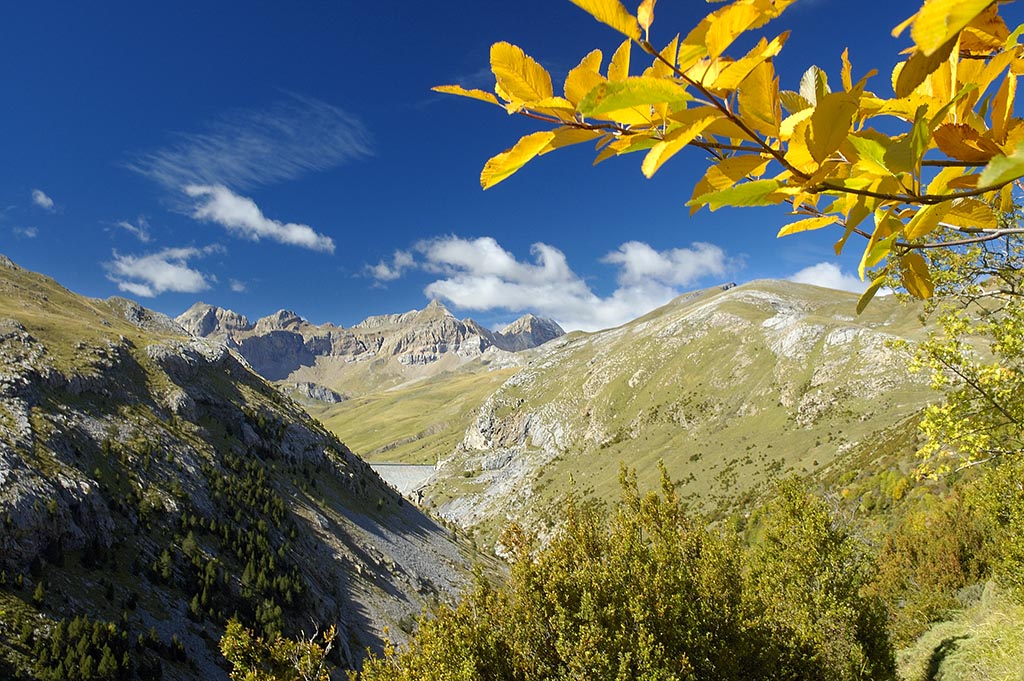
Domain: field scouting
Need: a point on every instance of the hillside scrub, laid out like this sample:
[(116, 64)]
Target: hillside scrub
[(646, 591)]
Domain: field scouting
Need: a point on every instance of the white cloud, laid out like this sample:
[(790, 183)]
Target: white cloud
[(26, 232), (238, 286), (140, 229), (479, 274), (829, 275), (167, 270), (248, 148), (385, 271), (241, 215), (676, 267), (40, 198)]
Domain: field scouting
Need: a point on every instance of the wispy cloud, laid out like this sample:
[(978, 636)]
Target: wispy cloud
[(40, 198), (140, 229), (26, 232), (155, 273), (242, 217), (249, 148), (829, 275), (478, 274), (238, 286)]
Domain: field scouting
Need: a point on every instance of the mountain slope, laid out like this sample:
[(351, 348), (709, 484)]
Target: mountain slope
[(150, 480), (731, 387)]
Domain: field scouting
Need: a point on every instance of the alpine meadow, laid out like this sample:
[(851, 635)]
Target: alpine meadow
[(695, 475)]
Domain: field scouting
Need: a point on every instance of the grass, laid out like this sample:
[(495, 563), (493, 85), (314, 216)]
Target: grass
[(983, 641), (417, 424)]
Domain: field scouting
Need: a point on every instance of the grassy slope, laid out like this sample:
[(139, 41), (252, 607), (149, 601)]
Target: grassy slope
[(417, 424), (984, 641), (702, 385)]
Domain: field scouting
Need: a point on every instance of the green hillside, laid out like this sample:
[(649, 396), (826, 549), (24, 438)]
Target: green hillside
[(419, 423), (730, 388)]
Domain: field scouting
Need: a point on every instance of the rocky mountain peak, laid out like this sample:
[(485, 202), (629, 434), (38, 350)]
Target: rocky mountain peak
[(282, 320), (527, 332), (209, 320)]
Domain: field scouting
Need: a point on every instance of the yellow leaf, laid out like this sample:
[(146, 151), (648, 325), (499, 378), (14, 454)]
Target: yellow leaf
[(555, 106), (939, 20), (625, 145), (920, 66), (830, 123), (612, 13), (734, 74), (1002, 108), (645, 14), (619, 68), (915, 276), (963, 143), (463, 92), (668, 57), (728, 23), (568, 135), (925, 221), (940, 183), (584, 77), (789, 123), (798, 153), (971, 213), (866, 297), (759, 100), (846, 76), (509, 161), (519, 76), (693, 123), (887, 228), (808, 224)]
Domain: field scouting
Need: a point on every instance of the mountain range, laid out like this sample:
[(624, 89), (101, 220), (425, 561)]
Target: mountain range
[(379, 351)]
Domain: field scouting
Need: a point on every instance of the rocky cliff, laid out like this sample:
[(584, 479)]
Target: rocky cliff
[(283, 346), (150, 480)]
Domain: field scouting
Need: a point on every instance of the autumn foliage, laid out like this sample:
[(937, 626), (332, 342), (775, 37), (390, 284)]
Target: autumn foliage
[(827, 148)]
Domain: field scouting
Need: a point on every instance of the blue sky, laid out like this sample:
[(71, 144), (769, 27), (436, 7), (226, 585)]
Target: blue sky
[(267, 155)]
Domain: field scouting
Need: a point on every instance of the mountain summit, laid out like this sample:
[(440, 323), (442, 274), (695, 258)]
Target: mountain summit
[(285, 347)]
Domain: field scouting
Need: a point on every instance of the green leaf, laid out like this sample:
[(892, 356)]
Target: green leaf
[(1003, 169), (634, 91), (755, 193)]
